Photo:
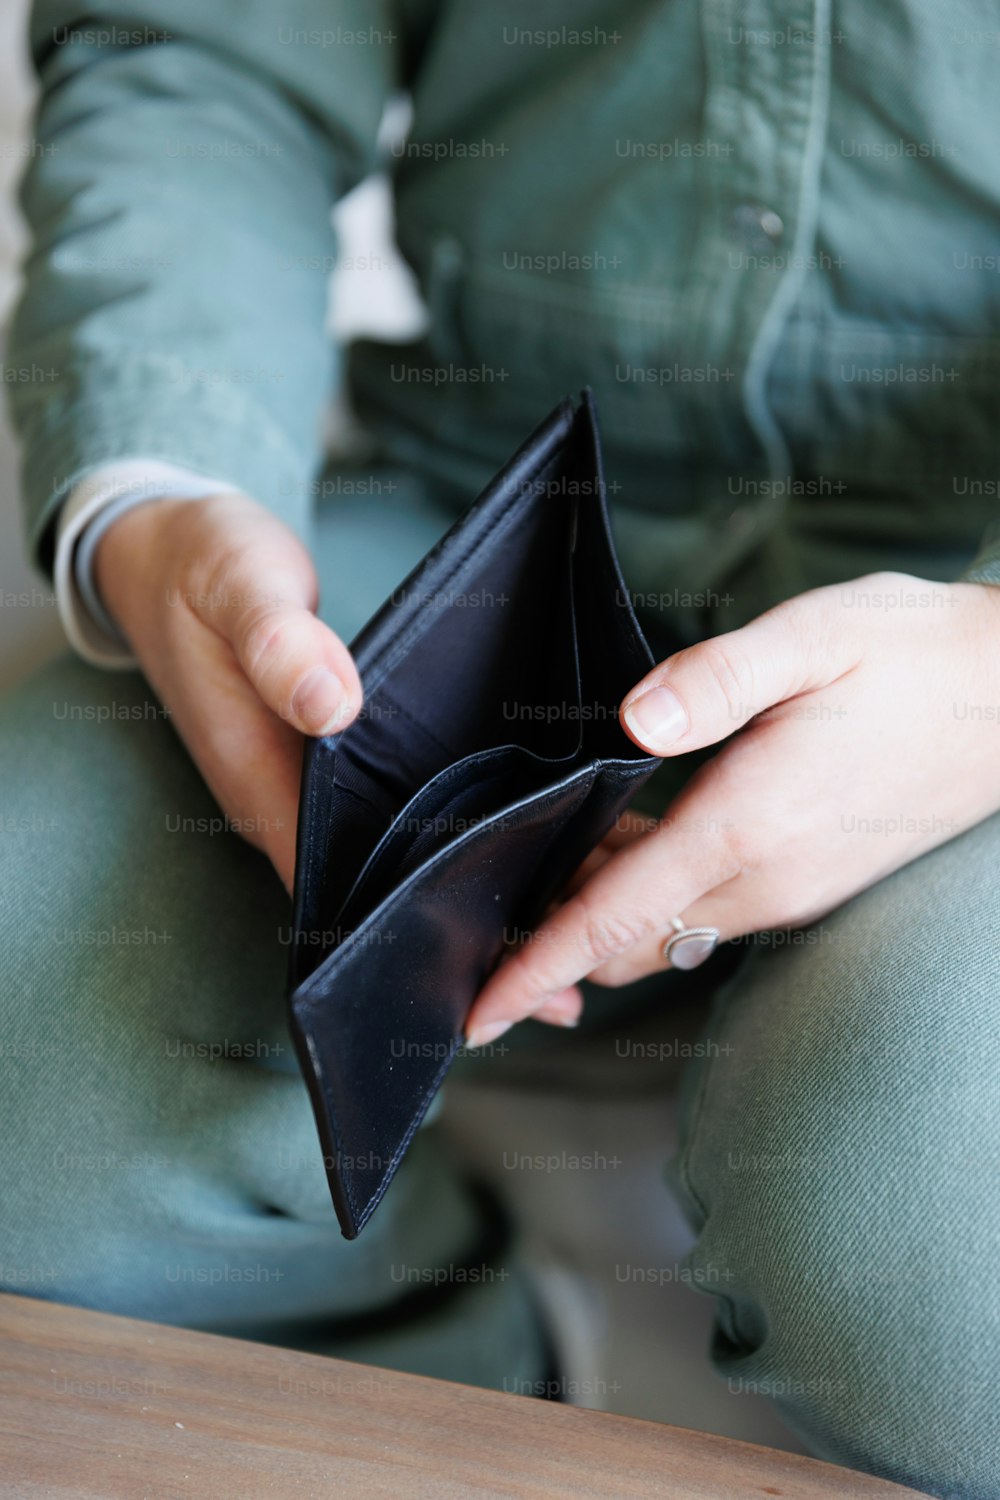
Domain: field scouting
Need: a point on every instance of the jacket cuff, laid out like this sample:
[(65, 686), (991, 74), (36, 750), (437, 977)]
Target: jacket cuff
[(92, 505), (151, 407), (985, 567)]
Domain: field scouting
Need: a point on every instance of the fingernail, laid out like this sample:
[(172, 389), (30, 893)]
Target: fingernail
[(657, 718), (488, 1033), (320, 700), (562, 1009)]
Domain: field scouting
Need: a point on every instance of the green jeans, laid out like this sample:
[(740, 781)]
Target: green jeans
[(839, 1151)]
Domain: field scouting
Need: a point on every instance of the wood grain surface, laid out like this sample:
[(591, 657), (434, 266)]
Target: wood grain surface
[(100, 1406)]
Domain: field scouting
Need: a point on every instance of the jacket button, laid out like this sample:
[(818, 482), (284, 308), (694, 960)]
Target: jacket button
[(741, 521), (760, 226)]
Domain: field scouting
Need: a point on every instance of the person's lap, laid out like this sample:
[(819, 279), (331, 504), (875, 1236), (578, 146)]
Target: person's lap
[(839, 1156), (159, 1153)]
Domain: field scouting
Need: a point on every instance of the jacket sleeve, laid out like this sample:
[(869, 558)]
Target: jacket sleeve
[(985, 567), (186, 159)]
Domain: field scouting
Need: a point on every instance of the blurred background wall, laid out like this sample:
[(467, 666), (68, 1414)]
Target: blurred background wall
[(29, 629)]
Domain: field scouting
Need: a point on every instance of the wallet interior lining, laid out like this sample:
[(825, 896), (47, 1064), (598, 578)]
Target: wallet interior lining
[(611, 658), (490, 672), (460, 797)]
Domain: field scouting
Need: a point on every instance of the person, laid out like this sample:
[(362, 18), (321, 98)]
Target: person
[(769, 243)]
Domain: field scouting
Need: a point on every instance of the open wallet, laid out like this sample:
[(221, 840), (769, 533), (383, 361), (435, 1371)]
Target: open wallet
[(487, 762)]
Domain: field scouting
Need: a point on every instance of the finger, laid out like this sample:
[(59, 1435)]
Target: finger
[(298, 666), (595, 859), (563, 1009), (730, 909), (739, 910), (250, 760), (630, 899), (706, 692), (628, 827)]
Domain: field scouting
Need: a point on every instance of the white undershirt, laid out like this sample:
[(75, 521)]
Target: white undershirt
[(102, 496)]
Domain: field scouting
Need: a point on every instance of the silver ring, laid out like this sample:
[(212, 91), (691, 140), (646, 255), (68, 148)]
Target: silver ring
[(689, 946)]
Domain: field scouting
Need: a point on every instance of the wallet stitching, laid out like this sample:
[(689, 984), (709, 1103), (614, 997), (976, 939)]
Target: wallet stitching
[(310, 838), (418, 1118), (342, 1178)]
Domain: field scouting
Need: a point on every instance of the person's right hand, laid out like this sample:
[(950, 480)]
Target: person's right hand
[(216, 598)]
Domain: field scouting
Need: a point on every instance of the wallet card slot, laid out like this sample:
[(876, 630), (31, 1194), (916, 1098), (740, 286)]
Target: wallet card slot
[(373, 776), (461, 797), (409, 972)]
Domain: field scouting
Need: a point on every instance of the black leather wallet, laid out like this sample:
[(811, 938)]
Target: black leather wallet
[(487, 762)]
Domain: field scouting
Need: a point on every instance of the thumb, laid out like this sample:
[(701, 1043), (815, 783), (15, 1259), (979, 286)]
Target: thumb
[(706, 692), (298, 666)]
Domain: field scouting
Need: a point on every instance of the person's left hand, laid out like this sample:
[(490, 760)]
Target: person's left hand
[(869, 732)]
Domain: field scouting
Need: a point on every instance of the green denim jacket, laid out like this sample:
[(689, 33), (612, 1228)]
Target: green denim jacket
[(768, 236)]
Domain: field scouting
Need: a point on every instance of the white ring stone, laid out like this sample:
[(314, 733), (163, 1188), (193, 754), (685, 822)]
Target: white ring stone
[(690, 946)]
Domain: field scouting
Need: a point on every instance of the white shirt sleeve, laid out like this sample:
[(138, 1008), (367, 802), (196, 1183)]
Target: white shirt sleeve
[(106, 493)]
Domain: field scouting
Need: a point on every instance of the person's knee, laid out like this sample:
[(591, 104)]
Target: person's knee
[(841, 1164), (157, 1148)]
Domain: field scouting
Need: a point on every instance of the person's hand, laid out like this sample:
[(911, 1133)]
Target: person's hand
[(869, 732), (216, 598)]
